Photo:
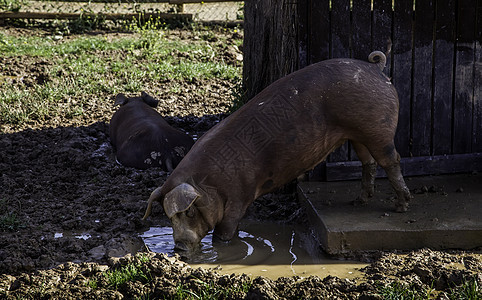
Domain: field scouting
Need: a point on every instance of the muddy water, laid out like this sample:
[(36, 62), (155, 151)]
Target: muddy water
[(266, 249)]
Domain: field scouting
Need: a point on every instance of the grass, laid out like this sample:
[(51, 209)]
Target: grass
[(397, 291), (129, 272), (468, 290), (11, 5), (91, 67), (8, 219), (133, 271), (211, 291), (136, 270)]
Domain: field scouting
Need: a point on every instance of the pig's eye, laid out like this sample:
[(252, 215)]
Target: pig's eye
[(190, 212)]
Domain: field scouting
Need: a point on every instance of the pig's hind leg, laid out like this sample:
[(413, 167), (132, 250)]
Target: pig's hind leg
[(389, 159), (369, 170)]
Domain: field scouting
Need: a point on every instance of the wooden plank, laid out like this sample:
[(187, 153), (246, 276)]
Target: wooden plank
[(382, 28), (402, 70), (340, 28), (422, 79), (361, 27), (106, 16), (477, 144), (304, 31), (464, 77), (320, 31), (340, 47), (315, 15), (443, 76), (411, 166), (361, 39)]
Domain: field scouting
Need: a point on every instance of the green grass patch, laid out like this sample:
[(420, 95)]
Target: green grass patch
[(133, 271), (209, 291), (398, 291), (8, 219), (71, 71), (11, 5), (468, 290)]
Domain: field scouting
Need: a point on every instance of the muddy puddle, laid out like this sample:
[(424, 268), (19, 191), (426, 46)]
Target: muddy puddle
[(266, 249)]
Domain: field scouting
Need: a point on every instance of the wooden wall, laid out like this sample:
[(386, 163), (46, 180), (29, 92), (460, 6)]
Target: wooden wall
[(435, 63), (271, 47)]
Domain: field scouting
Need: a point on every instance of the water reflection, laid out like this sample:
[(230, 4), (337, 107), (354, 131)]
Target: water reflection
[(266, 249), (255, 244)]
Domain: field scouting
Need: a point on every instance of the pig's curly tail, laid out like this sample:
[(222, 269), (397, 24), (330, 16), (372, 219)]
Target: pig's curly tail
[(379, 58)]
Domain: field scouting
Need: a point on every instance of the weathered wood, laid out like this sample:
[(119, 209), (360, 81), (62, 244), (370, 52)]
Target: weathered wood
[(320, 31), (361, 38), (435, 66), (464, 77), (362, 28), (340, 29), (340, 47), (477, 136), (381, 28), (304, 29), (422, 78), (105, 16), (319, 45), (271, 52), (402, 70), (443, 76), (411, 166)]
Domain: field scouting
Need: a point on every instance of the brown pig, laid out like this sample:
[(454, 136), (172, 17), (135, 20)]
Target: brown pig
[(142, 138), (284, 131)]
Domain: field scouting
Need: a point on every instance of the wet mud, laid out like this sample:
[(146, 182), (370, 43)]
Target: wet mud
[(260, 248)]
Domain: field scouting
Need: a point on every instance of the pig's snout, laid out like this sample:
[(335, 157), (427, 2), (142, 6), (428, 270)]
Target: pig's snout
[(185, 246), (186, 240)]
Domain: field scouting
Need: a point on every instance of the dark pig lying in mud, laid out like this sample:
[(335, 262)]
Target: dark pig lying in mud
[(284, 131), (142, 138)]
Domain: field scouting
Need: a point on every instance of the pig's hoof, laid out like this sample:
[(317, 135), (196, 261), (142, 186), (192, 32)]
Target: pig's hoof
[(359, 201)]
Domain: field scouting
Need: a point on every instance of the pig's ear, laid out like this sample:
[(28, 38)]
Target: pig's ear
[(120, 99), (149, 99), (180, 199)]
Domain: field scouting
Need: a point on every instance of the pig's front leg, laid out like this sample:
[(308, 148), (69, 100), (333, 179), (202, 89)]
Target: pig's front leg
[(226, 230), (228, 227)]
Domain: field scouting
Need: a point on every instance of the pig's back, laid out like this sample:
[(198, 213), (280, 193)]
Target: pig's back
[(296, 122)]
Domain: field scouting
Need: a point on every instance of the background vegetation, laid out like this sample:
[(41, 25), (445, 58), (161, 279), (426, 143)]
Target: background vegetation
[(62, 74)]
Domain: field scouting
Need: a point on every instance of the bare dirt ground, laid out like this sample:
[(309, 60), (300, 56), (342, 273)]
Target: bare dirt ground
[(76, 208)]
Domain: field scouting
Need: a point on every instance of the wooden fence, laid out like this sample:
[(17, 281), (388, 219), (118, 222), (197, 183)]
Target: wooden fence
[(435, 64), (176, 6)]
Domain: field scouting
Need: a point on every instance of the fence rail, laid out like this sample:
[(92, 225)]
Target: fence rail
[(144, 1), (213, 11), (106, 16)]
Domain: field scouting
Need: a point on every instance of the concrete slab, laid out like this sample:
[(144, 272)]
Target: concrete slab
[(446, 213)]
